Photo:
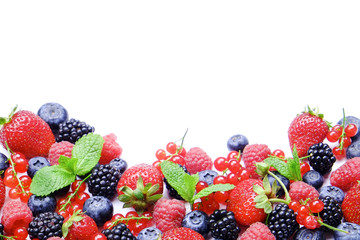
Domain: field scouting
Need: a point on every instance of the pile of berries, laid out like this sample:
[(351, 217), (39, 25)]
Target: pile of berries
[(183, 193)]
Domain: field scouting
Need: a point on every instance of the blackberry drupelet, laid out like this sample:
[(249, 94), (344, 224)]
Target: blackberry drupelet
[(331, 214), (282, 222), (120, 231), (46, 225), (321, 158), (103, 181), (223, 226), (72, 130), (172, 192)]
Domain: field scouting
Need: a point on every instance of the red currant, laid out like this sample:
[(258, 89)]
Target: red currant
[(304, 167), (10, 180), (233, 154), (14, 193), (337, 127), (24, 196), (81, 197), (351, 130), (310, 222), (219, 179), (278, 153), (182, 151), (220, 164), (76, 184), (333, 136), (20, 233), (234, 165), (346, 141), (316, 206), (25, 181), (160, 154), (339, 153), (20, 162), (303, 210), (178, 159), (98, 236), (171, 147), (294, 205), (221, 196), (201, 185)]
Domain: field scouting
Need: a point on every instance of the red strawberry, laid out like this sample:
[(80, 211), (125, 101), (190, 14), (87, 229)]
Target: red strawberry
[(111, 149), (181, 233), (79, 226), (2, 193), (168, 213), (241, 203), (197, 160), (346, 175), (301, 190), (306, 130), (27, 133), (257, 230), (351, 204), (253, 154), (15, 214)]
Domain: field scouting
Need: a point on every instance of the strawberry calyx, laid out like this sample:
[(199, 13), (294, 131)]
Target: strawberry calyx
[(77, 216), (315, 112), (4, 120)]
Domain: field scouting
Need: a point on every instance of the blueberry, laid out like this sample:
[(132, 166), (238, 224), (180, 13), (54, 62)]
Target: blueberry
[(309, 234), (197, 221), (354, 120), (283, 179), (237, 142), (332, 191), (353, 150), (353, 230), (53, 114), (4, 164), (313, 178), (119, 164), (150, 233), (99, 208), (35, 164), (207, 176), (39, 204)]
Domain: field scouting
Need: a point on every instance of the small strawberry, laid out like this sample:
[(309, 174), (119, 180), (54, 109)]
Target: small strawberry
[(197, 160), (241, 203), (26, 132), (301, 190), (351, 204), (168, 213), (2, 193), (346, 175), (306, 130), (181, 233), (252, 154), (257, 230), (79, 226)]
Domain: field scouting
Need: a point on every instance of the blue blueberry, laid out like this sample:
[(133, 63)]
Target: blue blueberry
[(4, 164), (119, 164), (313, 178), (237, 142), (150, 233), (207, 176), (354, 120), (353, 230), (99, 208), (53, 114), (332, 191), (197, 221), (39, 204), (309, 234), (283, 179), (35, 164), (353, 150)]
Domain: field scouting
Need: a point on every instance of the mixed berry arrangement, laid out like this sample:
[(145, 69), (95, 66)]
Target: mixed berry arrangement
[(60, 180)]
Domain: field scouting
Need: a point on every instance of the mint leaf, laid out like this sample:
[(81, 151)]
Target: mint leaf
[(294, 166), (279, 165), (213, 188), (88, 152), (68, 163), (190, 184), (49, 179)]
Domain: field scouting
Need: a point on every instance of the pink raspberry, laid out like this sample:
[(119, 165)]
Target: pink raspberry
[(253, 154), (301, 190), (59, 148), (168, 213), (346, 175), (257, 230), (111, 149), (15, 214), (197, 160)]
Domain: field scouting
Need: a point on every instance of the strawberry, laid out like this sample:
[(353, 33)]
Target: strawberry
[(306, 130), (346, 175), (26, 132), (79, 226), (2, 193), (181, 233), (351, 204), (168, 213), (241, 203)]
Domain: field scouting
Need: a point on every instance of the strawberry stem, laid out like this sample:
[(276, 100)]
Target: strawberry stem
[(287, 196)]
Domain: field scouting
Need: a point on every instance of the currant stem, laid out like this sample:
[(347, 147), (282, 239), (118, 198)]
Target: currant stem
[(13, 170), (287, 196), (117, 221), (182, 142), (330, 227), (343, 131)]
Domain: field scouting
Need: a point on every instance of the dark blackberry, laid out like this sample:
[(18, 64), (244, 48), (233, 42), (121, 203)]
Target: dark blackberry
[(282, 222), (103, 181), (72, 130), (223, 226), (331, 214), (46, 225), (321, 158), (118, 232), (1, 229), (172, 192)]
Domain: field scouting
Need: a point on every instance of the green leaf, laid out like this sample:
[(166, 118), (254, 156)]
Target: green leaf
[(213, 188), (258, 189), (260, 198), (294, 166), (190, 184), (279, 165), (68, 163), (2, 121), (88, 151), (49, 179), (268, 207)]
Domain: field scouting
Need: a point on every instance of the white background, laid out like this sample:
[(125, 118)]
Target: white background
[(149, 70)]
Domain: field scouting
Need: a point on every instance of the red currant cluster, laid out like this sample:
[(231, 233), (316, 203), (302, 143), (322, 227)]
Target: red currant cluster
[(133, 221), (20, 233), (73, 200), (305, 212), (19, 185), (174, 153), (342, 135)]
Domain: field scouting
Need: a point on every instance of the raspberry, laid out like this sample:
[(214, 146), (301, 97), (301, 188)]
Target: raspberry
[(61, 148), (197, 160), (2, 193), (301, 190), (111, 149), (346, 175), (15, 214), (252, 154), (257, 230), (168, 213)]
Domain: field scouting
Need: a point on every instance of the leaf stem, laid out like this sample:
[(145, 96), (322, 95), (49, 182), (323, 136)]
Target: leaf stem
[(287, 196)]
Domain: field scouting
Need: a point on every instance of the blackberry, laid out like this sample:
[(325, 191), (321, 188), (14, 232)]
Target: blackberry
[(321, 158), (172, 192), (1, 229), (46, 225), (103, 181), (120, 231), (331, 214), (223, 226), (72, 130), (282, 222)]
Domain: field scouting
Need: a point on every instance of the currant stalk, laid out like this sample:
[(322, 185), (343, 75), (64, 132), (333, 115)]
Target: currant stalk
[(13, 170)]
